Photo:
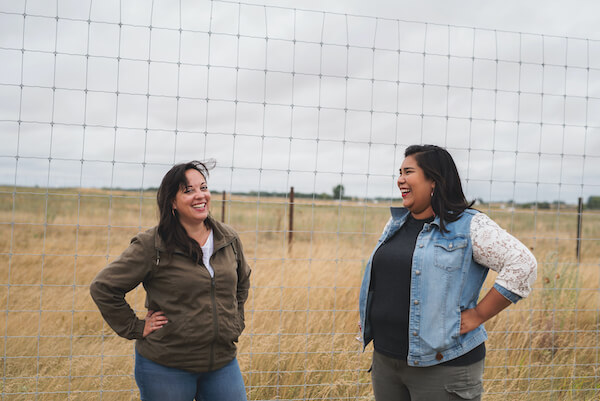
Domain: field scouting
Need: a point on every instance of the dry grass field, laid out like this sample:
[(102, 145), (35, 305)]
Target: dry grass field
[(302, 316)]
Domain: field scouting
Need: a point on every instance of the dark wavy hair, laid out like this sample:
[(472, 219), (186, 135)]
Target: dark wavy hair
[(448, 200), (169, 228)]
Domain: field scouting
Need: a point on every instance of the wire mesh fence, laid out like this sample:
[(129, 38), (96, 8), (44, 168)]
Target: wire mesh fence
[(99, 99)]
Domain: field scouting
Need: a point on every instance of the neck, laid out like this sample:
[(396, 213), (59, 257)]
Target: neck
[(198, 232), (424, 214)]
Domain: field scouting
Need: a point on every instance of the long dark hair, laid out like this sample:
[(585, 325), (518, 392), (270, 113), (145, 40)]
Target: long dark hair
[(448, 200), (169, 228)]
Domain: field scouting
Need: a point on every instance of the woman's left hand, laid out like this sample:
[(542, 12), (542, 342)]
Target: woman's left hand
[(469, 320)]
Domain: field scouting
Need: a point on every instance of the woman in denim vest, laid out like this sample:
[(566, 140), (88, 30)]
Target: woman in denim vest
[(420, 291)]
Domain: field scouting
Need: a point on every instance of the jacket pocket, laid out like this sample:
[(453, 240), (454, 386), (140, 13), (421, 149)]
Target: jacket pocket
[(230, 324), (163, 334), (449, 253), (241, 324)]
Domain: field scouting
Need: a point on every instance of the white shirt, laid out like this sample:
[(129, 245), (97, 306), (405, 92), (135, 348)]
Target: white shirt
[(207, 250)]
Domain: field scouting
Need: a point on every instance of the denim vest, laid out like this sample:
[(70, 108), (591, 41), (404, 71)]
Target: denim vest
[(445, 280)]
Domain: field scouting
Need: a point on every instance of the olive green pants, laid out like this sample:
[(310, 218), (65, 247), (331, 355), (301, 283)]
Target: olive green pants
[(394, 380)]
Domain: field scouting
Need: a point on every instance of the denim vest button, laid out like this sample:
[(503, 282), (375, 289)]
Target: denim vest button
[(417, 272), (420, 245), (415, 333), (416, 362), (416, 302), (439, 356), (450, 246)]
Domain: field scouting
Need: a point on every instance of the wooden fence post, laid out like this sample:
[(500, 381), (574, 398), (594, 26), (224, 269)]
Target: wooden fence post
[(223, 208)]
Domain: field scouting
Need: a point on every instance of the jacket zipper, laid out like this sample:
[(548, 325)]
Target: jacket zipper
[(211, 358), (215, 323)]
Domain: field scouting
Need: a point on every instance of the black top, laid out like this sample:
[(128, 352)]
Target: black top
[(390, 305)]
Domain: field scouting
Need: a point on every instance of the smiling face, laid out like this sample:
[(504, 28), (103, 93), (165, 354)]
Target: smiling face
[(415, 188), (192, 202)]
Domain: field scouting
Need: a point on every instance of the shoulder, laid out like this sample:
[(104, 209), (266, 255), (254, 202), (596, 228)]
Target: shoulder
[(222, 230), (482, 222), (462, 223), (145, 242), (463, 217), (148, 234), (147, 237), (484, 230), (469, 214)]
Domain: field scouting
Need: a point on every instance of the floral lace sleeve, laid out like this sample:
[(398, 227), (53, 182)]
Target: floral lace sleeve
[(496, 249)]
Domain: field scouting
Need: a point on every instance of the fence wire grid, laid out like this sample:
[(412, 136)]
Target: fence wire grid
[(99, 99)]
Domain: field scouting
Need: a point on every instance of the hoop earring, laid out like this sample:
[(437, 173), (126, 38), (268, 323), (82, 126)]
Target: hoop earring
[(173, 212)]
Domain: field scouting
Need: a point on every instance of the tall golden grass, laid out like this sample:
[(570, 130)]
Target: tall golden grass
[(301, 317)]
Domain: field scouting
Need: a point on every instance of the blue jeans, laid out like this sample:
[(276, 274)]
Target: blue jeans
[(162, 383)]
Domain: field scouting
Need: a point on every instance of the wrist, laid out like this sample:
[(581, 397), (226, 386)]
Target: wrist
[(479, 315)]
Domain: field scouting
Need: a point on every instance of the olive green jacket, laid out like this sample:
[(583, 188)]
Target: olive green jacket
[(205, 315)]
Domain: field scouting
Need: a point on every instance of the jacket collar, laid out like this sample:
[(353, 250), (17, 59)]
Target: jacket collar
[(401, 213), (222, 236)]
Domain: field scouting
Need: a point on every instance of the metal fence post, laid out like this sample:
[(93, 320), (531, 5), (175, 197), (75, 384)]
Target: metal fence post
[(291, 215), (579, 227)]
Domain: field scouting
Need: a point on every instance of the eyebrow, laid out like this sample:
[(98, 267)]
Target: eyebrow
[(186, 186)]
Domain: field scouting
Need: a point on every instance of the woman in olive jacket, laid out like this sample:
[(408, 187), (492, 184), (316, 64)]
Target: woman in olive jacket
[(196, 280)]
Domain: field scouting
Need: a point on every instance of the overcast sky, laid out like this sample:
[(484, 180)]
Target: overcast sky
[(575, 18), (326, 99)]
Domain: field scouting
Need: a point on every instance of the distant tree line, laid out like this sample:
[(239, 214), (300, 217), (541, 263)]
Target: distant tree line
[(338, 192), (267, 194), (593, 202), (541, 205)]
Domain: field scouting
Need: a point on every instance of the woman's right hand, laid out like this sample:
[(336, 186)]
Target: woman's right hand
[(154, 321)]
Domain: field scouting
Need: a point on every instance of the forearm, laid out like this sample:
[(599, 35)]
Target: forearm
[(116, 311), (492, 303)]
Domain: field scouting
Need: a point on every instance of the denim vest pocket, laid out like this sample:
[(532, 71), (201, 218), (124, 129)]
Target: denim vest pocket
[(449, 252)]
